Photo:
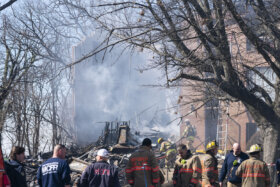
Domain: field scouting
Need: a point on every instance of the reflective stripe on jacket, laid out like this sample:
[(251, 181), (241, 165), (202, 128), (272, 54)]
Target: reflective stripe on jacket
[(254, 172), (209, 170), (142, 169), (188, 173)]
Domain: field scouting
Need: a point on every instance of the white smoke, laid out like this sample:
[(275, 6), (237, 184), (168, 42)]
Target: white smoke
[(113, 90)]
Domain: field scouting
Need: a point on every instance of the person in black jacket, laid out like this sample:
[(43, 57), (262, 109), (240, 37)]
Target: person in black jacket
[(101, 173), (15, 167), (231, 163), (278, 172)]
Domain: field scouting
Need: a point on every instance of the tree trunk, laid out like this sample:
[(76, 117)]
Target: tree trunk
[(271, 149)]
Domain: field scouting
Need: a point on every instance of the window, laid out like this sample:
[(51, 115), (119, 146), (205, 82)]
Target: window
[(249, 46), (268, 73), (251, 129)]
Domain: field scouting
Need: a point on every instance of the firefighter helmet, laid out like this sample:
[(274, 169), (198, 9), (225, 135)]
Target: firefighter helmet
[(255, 148), (160, 140), (211, 145)]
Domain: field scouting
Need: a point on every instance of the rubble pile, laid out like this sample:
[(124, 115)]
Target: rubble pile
[(118, 141), (79, 163)]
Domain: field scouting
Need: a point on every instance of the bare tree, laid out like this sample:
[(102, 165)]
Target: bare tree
[(19, 56), (33, 41), (191, 40)]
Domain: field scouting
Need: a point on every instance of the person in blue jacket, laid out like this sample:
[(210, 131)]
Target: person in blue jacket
[(230, 165), (55, 172), (100, 173)]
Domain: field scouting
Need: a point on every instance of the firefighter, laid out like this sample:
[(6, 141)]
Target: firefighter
[(189, 133), (187, 170), (254, 171), (170, 152), (142, 169), (210, 165)]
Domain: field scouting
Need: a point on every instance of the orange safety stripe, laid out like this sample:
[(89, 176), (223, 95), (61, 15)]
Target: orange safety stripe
[(184, 170), (210, 169), (254, 166), (253, 175), (130, 181), (138, 168), (142, 159), (155, 169), (194, 181), (156, 180), (197, 170), (128, 170)]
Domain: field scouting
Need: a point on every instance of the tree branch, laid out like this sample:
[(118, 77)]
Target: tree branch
[(6, 5)]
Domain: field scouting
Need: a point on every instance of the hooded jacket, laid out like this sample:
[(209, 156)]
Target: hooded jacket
[(229, 169), (16, 173)]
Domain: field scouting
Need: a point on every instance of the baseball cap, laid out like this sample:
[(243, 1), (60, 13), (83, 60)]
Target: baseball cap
[(103, 153)]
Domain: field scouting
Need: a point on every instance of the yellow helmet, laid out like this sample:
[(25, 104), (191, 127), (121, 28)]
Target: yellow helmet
[(254, 148), (211, 145), (160, 140)]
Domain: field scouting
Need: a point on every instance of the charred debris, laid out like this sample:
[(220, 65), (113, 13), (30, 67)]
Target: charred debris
[(116, 137)]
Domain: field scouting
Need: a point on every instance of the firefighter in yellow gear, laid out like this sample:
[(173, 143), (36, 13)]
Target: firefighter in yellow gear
[(170, 153), (189, 134), (187, 171), (210, 165), (254, 171), (142, 168)]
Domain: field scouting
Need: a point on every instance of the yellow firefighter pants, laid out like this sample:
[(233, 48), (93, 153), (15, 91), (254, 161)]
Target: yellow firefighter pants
[(170, 158)]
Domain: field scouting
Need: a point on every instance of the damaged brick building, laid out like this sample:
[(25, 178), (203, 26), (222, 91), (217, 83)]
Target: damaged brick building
[(227, 122)]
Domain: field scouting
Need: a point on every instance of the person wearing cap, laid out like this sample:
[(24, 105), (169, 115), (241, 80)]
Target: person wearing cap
[(187, 170), (55, 172), (170, 152), (233, 159), (254, 171), (142, 169), (100, 173), (209, 164)]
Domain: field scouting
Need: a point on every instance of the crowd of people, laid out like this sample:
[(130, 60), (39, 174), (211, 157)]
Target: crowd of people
[(142, 170)]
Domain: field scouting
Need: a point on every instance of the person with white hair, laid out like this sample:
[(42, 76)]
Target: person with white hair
[(100, 173)]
